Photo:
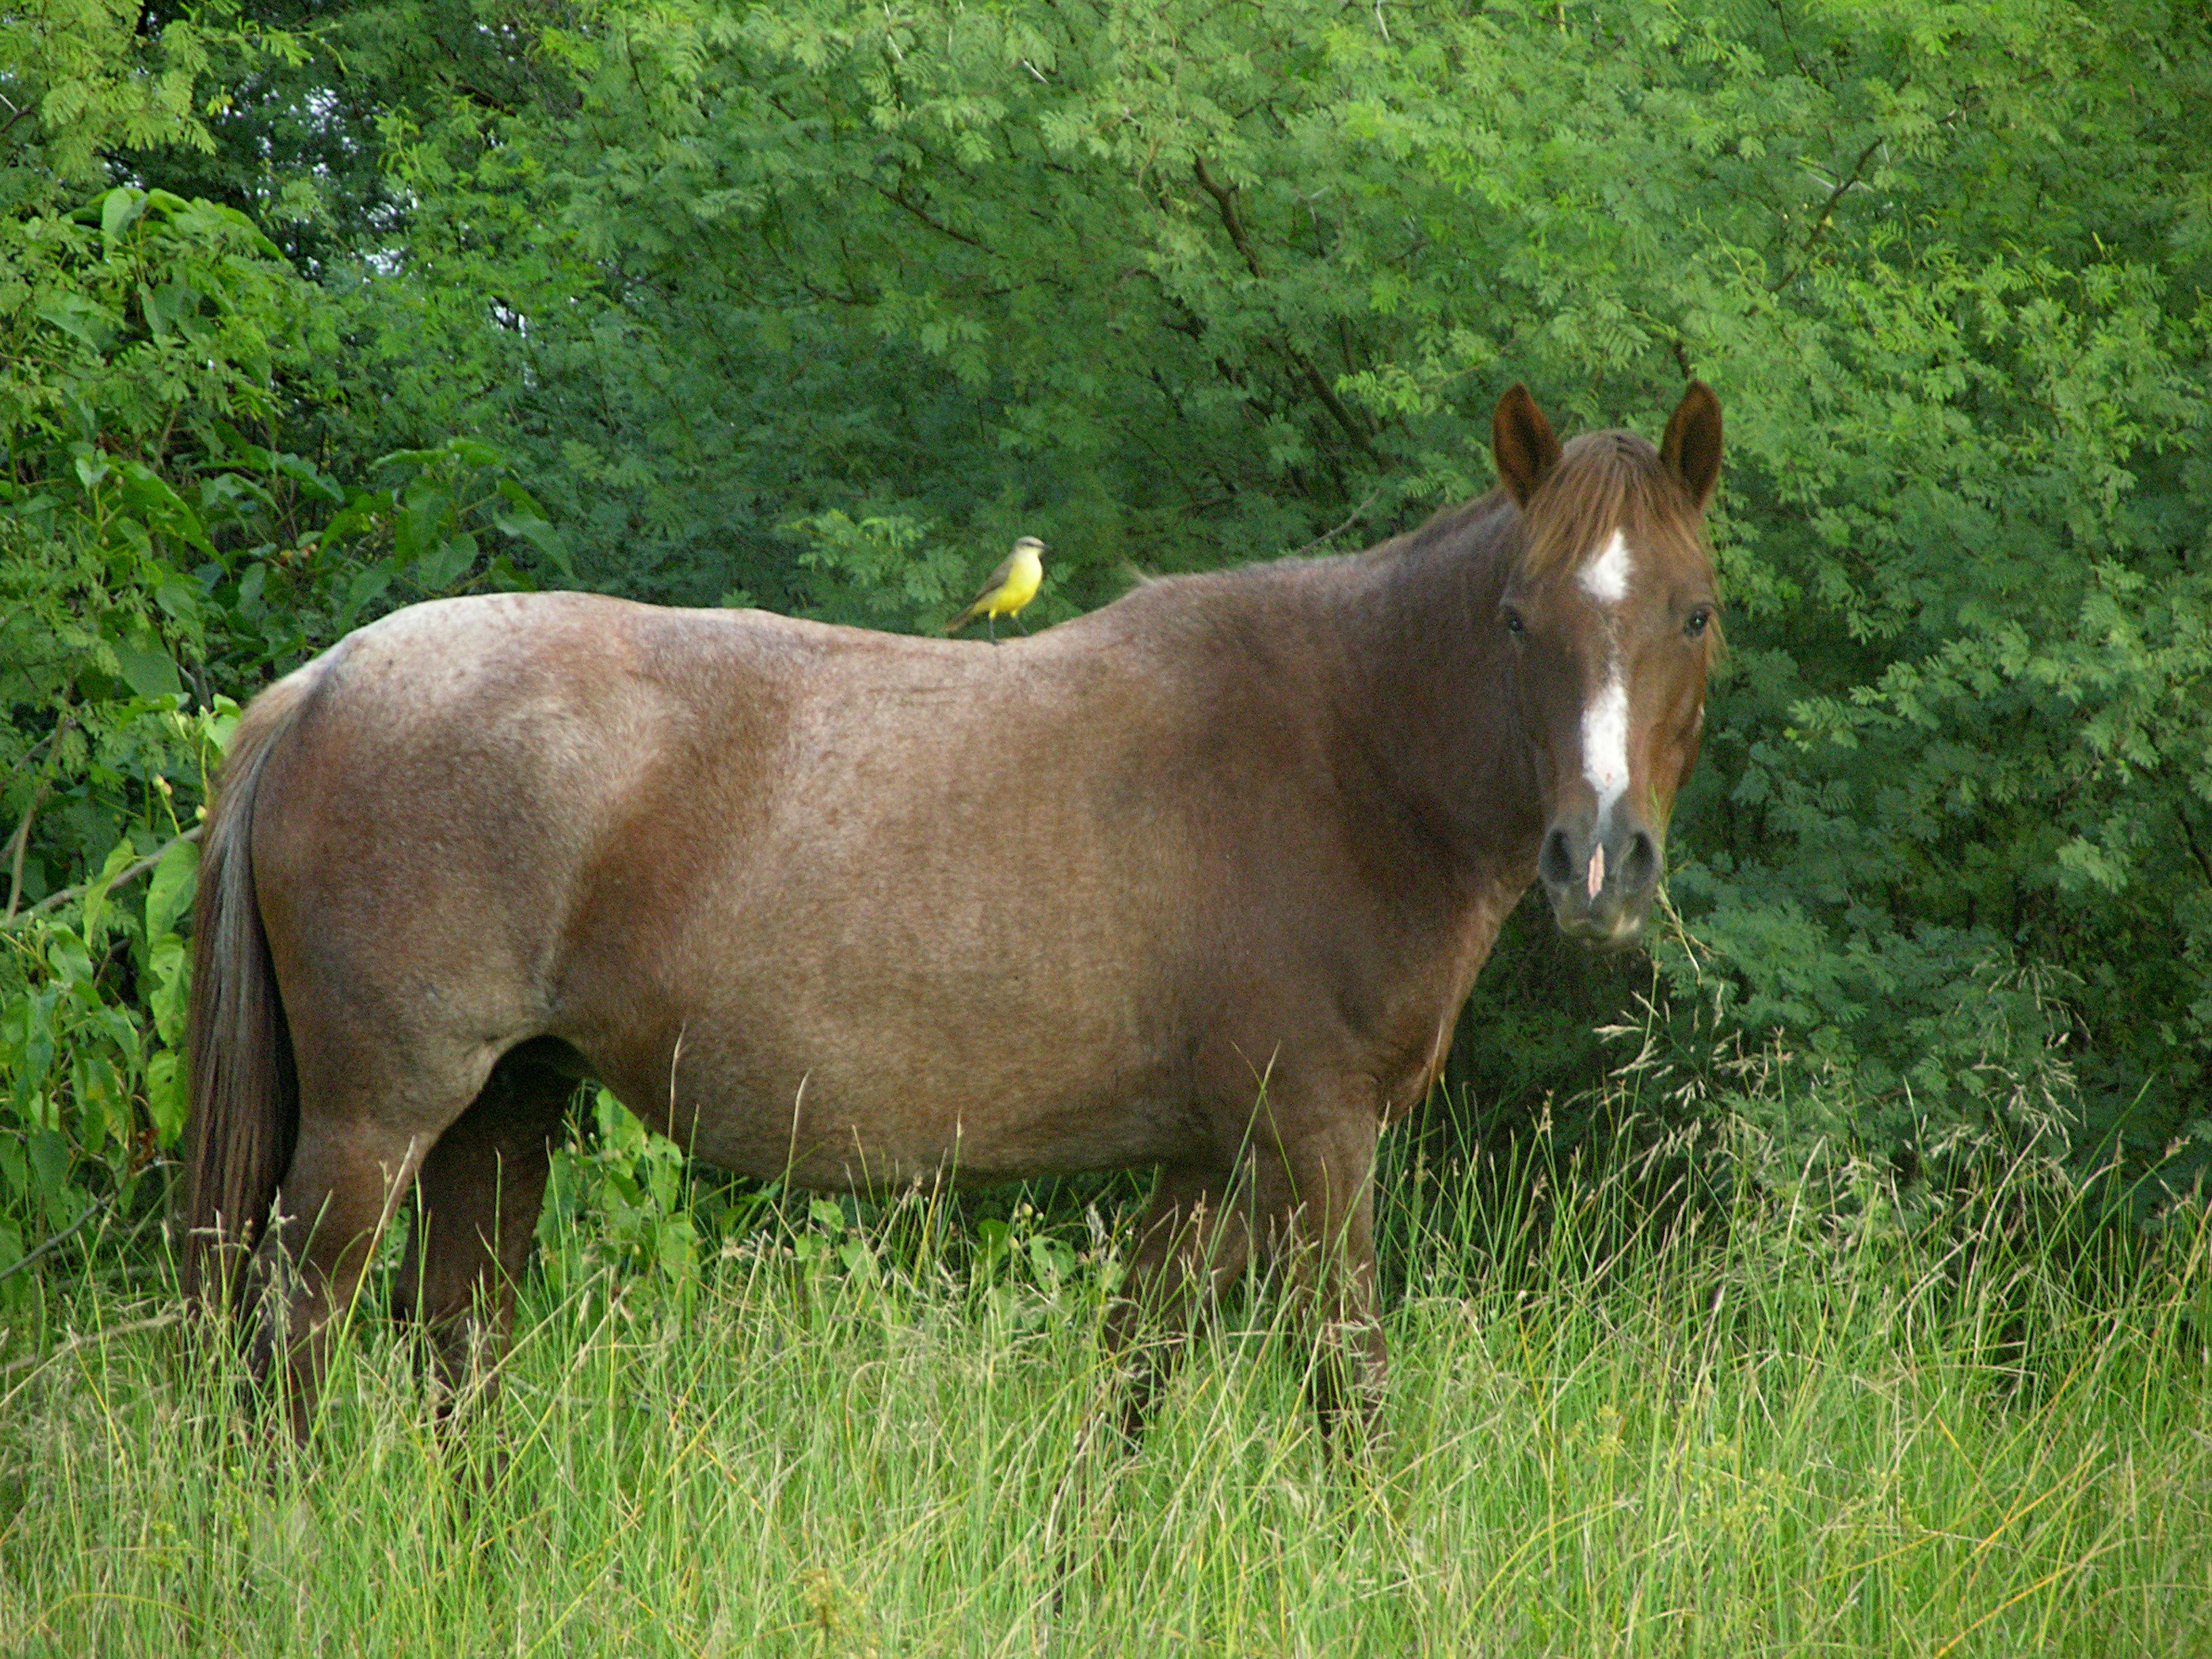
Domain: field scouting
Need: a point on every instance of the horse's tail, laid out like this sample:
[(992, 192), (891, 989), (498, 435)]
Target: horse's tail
[(245, 1094)]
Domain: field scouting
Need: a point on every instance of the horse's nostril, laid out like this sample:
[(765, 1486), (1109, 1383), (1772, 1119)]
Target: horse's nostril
[(1557, 864), (1639, 865)]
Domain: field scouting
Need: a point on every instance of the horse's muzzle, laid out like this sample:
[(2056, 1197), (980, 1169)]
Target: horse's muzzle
[(1600, 885)]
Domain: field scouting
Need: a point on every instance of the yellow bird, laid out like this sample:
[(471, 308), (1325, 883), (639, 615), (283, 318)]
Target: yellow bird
[(1010, 588)]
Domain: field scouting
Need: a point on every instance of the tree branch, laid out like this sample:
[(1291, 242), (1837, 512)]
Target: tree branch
[(1827, 211), (60, 1238), (124, 878), (22, 839), (898, 199), (1357, 513), (1343, 417), (36, 1362), (1224, 201), (2189, 835)]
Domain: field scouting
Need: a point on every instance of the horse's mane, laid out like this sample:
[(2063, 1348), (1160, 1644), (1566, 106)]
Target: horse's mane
[(1605, 481)]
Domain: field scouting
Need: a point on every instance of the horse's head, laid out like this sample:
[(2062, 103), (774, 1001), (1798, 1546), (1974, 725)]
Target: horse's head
[(1614, 622)]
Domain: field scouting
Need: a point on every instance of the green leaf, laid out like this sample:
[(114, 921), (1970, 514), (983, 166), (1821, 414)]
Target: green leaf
[(521, 498), (249, 588), (311, 481), (245, 452), (165, 1096), (538, 533), (118, 210), (993, 1236), (81, 319), (859, 1261), (33, 1055), (471, 453), (359, 516), (425, 512), (120, 856), (148, 671), (416, 458), (49, 1163), (178, 599), (438, 569), (367, 585), (227, 497), (169, 889), (169, 962), (91, 467)]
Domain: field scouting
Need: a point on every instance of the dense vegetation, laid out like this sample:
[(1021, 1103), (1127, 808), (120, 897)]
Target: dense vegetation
[(307, 310)]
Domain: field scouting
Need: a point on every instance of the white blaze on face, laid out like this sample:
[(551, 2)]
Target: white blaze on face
[(1605, 578), (1605, 743), (1604, 721)]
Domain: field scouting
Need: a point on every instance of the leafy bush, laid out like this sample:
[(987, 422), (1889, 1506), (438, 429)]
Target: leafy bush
[(619, 1198)]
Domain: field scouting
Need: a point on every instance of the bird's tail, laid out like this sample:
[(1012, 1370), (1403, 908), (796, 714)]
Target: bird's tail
[(965, 617)]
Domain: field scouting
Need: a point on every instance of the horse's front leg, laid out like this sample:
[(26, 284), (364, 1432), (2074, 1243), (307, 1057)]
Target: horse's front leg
[(1195, 1239), (1315, 1201)]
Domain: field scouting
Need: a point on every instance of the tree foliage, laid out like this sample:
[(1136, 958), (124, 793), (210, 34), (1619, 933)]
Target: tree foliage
[(818, 305)]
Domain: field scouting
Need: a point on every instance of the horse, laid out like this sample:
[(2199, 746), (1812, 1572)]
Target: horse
[(1198, 881)]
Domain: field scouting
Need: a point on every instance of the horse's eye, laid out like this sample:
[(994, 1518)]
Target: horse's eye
[(1696, 625), (1514, 625)]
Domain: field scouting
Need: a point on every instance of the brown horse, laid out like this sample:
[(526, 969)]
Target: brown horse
[(1199, 881)]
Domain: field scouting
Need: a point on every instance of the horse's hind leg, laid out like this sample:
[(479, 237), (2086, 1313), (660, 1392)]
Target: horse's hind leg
[(376, 1097), (348, 1175), (476, 1200), (1194, 1240)]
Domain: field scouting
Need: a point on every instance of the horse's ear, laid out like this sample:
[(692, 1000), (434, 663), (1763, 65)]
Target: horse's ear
[(1691, 448), (1521, 441)]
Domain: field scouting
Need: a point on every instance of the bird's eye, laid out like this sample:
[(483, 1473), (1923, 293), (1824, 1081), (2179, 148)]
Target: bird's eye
[(1698, 618), (1514, 625)]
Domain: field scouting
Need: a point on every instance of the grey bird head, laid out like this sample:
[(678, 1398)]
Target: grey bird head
[(1032, 544)]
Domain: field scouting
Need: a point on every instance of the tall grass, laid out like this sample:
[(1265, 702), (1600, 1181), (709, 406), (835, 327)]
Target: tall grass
[(1753, 1430)]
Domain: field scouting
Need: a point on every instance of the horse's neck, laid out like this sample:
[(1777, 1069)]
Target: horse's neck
[(1433, 671)]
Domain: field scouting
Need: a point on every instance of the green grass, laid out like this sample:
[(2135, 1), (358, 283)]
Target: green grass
[(1773, 1438)]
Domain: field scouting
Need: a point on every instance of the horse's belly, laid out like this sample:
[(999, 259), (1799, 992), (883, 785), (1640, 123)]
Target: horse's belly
[(878, 1043), (836, 1144)]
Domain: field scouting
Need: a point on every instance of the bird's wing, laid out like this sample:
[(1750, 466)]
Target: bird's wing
[(996, 580)]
